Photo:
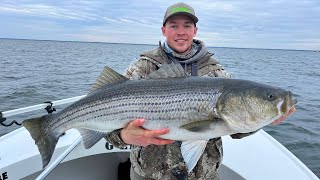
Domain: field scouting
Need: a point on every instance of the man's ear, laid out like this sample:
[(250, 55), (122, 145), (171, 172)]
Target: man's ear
[(195, 31), (163, 29)]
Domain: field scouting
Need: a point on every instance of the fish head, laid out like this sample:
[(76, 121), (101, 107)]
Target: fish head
[(248, 106)]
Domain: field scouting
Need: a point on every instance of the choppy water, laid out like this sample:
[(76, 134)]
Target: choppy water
[(32, 72)]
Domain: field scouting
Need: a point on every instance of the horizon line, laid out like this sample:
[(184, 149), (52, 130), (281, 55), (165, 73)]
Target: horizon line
[(78, 41)]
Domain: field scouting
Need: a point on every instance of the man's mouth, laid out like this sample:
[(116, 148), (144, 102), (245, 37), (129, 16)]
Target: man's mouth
[(180, 40)]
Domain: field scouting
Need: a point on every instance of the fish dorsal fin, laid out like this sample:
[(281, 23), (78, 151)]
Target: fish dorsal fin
[(191, 152), (107, 76), (91, 137), (168, 71)]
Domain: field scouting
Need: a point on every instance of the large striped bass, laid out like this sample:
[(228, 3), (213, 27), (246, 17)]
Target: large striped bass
[(195, 109)]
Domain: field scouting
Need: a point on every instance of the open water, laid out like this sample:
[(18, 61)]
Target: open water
[(32, 72)]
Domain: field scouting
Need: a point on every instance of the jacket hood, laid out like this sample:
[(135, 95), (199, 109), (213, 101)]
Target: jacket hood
[(200, 52)]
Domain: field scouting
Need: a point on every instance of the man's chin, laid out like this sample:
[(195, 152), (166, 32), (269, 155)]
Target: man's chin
[(181, 50)]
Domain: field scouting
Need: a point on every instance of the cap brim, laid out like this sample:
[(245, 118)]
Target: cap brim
[(193, 17)]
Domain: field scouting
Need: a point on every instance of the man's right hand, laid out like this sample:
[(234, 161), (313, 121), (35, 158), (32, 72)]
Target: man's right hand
[(134, 134)]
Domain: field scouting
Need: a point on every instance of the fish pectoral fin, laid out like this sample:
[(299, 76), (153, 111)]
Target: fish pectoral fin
[(107, 76), (172, 70), (191, 152), (91, 137), (198, 126)]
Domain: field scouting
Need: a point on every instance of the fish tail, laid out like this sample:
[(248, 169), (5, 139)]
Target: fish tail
[(44, 139)]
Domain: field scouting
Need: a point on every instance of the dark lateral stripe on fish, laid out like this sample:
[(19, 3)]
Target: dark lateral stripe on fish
[(152, 101), (114, 111), (155, 96), (136, 111), (127, 98)]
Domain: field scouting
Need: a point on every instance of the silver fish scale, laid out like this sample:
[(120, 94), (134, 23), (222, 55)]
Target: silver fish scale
[(185, 100)]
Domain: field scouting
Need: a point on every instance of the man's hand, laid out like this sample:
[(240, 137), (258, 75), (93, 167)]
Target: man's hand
[(134, 134), (292, 110)]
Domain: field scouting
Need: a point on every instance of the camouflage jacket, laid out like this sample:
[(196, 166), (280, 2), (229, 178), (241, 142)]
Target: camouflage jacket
[(166, 162)]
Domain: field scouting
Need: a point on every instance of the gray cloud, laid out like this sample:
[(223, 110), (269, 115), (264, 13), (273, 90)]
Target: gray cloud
[(283, 24)]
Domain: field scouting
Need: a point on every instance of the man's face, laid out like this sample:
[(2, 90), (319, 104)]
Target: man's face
[(179, 31)]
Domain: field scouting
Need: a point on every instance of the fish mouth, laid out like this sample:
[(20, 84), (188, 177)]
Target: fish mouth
[(284, 107), (286, 104)]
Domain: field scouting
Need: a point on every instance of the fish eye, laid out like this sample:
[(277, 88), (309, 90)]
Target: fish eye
[(271, 96)]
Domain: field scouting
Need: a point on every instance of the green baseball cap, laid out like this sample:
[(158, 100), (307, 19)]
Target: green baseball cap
[(180, 8)]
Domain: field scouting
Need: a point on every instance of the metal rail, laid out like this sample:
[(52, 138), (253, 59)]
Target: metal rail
[(57, 161), (39, 106)]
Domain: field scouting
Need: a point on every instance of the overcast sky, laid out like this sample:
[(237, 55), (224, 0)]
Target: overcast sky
[(275, 24)]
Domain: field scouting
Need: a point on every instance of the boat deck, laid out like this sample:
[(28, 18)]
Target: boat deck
[(258, 156)]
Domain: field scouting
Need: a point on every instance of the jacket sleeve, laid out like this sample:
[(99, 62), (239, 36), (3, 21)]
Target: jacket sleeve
[(141, 68), (216, 70), (212, 68), (114, 138), (137, 70)]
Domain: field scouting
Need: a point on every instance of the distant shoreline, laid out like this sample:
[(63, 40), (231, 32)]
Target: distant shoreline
[(151, 44)]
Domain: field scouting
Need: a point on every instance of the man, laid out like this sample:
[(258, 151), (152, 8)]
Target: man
[(153, 157)]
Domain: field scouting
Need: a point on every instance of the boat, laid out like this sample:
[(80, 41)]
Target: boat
[(258, 156)]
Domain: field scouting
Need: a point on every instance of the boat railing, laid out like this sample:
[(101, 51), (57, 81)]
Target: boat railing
[(57, 161), (40, 106), (49, 107)]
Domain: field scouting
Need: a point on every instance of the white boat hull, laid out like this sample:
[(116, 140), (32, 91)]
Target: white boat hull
[(258, 156)]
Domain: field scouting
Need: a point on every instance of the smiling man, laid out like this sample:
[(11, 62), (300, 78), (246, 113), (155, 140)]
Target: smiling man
[(179, 28), (151, 156)]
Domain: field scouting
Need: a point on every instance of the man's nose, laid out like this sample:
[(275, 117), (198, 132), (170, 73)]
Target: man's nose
[(181, 31)]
